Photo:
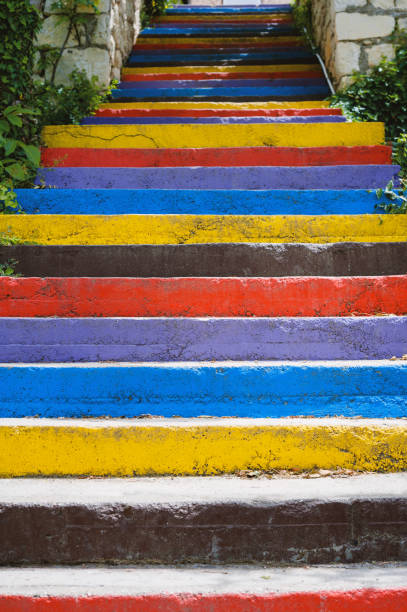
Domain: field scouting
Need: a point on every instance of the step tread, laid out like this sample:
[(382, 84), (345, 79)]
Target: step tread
[(89, 580), (177, 491)]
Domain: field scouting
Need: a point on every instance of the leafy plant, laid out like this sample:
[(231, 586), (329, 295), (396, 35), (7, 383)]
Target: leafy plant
[(8, 268), (18, 157), (380, 95), (302, 13), (19, 23), (396, 201), (68, 104), (153, 8)]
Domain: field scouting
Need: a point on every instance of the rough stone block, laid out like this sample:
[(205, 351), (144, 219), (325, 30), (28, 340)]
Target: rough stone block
[(103, 7), (342, 5), (347, 58), (53, 33), (383, 4), (100, 35), (375, 54), (93, 60), (356, 26)]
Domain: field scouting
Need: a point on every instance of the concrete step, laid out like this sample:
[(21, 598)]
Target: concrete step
[(190, 71), (202, 229), (194, 105), (300, 92), (222, 30), (193, 201), (239, 156), (213, 521), (201, 339), (242, 588), (255, 178), (209, 136), (215, 44), (222, 389), (230, 10), (208, 120), (203, 297), (200, 260)]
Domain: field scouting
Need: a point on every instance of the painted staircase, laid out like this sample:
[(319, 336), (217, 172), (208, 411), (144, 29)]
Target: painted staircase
[(210, 294)]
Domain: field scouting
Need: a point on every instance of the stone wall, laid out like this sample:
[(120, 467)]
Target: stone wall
[(355, 34), (103, 41)]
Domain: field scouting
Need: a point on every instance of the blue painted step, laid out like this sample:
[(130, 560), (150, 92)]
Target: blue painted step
[(214, 93), (319, 389), (172, 201)]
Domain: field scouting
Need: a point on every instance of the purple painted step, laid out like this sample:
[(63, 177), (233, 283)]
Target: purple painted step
[(316, 177), (180, 339), (209, 120)]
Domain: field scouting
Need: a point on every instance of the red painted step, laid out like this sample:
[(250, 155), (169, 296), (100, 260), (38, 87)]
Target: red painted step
[(250, 156), (185, 76), (173, 112), (230, 45), (364, 600), (200, 297)]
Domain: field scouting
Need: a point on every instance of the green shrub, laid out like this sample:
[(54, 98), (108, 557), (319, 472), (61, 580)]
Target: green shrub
[(66, 104), (302, 13), (19, 23), (380, 95)]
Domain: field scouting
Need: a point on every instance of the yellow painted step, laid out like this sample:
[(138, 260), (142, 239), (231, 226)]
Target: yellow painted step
[(260, 68), (195, 229), (49, 447), (201, 135)]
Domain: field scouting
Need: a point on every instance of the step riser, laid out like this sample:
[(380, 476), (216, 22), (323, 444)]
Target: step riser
[(358, 259), (203, 229), (257, 178), (219, 45), (209, 136), (194, 105), (223, 390), (207, 120), (214, 93), (103, 448), (310, 533), (231, 83), (195, 297), (255, 156), (206, 10), (225, 76), (227, 44), (187, 31), (188, 71), (376, 600), (214, 202), (182, 339)]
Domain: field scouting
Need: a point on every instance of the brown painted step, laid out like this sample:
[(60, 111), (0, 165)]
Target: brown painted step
[(243, 260), (204, 520)]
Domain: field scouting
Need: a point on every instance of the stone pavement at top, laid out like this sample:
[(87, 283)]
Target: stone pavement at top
[(210, 292)]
